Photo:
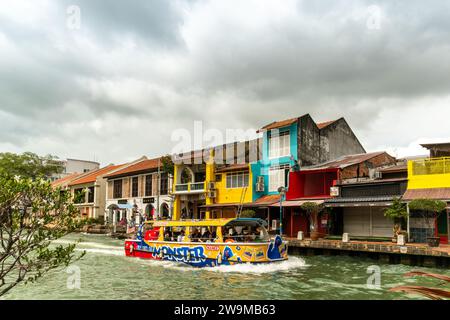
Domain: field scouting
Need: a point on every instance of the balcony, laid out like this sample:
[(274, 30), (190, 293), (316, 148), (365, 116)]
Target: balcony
[(192, 188), (429, 173)]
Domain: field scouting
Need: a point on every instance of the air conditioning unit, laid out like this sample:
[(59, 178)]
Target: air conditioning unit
[(211, 185), (211, 194)]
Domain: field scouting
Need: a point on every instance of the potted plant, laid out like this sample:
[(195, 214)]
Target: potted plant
[(398, 213), (312, 209), (248, 213), (429, 210)]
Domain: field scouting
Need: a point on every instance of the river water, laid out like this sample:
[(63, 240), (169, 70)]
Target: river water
[(105, 273)]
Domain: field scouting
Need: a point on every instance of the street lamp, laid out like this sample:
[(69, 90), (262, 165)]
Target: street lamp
[(282, 192)]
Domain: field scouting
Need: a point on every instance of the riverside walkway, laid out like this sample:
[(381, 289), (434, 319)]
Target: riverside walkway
[(410, 254)]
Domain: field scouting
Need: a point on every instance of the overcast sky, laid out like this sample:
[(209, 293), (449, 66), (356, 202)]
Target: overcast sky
[(114, 84)]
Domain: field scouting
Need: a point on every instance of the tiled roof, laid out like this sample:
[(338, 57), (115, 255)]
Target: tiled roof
[(288, 122), (92, 176), (278, 124), (141, 166), (325, 124), (268, 199), (345, 161), (432, 193), (66, 179)]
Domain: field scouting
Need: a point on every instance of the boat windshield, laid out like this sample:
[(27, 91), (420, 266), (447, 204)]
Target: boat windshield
[(245, 231)]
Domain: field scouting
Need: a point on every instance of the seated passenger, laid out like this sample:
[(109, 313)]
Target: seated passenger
[(181, 237), (206, 235), (195, 235)]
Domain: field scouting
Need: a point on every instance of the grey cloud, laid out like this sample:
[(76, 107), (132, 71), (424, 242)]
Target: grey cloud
[(320, 58)]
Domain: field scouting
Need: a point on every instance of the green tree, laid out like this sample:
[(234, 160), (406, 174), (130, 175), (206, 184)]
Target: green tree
[(167, 164), (32, 215), (248, 213), (312, 210), (29, 165)]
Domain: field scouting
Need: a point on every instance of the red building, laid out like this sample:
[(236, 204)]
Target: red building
[(314, 184)]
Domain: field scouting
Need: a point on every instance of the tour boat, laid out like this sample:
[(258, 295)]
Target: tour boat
[(207, 243)]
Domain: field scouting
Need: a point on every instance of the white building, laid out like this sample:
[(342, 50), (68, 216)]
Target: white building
[(138, 191)]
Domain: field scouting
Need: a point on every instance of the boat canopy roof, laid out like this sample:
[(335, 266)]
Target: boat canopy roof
[(209, 222)]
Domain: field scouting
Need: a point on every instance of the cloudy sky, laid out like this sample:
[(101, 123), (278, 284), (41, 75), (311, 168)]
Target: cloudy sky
[(112, 80)]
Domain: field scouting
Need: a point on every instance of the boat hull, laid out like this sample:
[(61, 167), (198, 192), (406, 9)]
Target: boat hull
[(208, 254)]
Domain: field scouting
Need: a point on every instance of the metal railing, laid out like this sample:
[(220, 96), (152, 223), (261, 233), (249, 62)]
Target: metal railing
[(188, 187), (431, 166)]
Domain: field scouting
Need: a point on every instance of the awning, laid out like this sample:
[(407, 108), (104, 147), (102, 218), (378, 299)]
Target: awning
[(380, 201), (432, 193), (296, 203), (125, 206)]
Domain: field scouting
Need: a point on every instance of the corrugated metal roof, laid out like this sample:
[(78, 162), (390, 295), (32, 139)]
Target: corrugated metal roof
[(360, 199), (432, 193), (345, 161)]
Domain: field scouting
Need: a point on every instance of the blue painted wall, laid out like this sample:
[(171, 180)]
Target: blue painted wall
[(261, 168)]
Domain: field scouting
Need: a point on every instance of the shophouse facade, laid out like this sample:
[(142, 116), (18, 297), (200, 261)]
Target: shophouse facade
[(429, 178), (139, 191)]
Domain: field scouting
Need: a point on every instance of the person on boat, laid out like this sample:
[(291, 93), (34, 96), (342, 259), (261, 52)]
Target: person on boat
[(195, 236), (180, 237), (168, 236), (206, 235)]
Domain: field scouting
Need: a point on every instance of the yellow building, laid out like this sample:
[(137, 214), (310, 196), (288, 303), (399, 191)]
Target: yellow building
[(204, 187), (430, 179)]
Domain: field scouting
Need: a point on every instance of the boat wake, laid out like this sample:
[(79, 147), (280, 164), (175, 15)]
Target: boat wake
[(110, 252), (292, 264)]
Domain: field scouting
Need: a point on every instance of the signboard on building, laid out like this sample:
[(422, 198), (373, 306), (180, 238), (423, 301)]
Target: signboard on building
[(148, 200), (334, 191), (122, 201)]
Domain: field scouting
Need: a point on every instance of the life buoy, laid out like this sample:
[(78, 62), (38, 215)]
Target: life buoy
[(230, 241)]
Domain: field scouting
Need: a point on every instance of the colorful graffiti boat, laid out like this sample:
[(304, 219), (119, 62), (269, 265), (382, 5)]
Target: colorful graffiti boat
[(207, 243)]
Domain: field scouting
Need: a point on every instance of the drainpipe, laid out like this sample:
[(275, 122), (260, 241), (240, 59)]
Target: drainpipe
[(407, 221)]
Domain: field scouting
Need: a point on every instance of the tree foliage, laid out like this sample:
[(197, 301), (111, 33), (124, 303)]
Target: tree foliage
[(248, 213), (312, 209), (167, 164), (29, 165), (32, 215), (428, 205), (397, 210)]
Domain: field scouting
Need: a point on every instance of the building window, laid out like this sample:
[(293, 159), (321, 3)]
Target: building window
[(280, 145), (237, 180), (164, 184), (79, 196), (148, 186), (117, 191), (91, 195), (135, 187), (278, 177)]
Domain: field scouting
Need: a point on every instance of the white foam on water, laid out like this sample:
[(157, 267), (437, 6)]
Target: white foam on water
[(110, 252), (262, 268), (88, 244)]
